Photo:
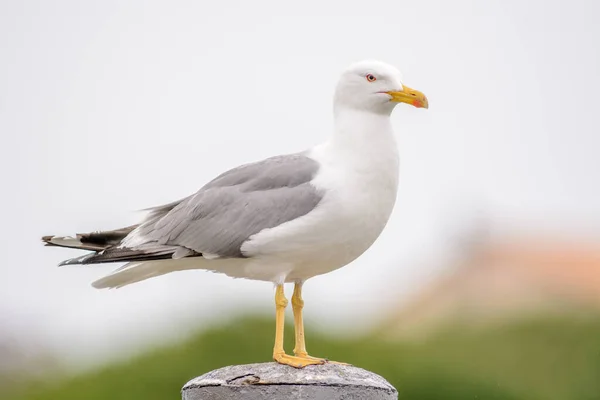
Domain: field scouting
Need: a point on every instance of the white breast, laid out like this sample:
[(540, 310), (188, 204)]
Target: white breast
[(359, 186)]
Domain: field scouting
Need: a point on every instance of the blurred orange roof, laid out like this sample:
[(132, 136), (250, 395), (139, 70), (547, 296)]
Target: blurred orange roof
[(572, 269), (505, 278)]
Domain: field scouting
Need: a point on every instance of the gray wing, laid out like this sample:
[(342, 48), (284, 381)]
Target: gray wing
[(224, 213)]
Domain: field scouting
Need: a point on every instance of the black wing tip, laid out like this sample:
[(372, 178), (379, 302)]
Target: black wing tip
[(77, 260)]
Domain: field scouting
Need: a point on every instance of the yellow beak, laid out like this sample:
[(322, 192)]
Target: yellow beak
[(410, 96)]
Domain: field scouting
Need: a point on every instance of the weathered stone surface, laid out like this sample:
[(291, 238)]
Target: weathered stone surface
[(278, 382)]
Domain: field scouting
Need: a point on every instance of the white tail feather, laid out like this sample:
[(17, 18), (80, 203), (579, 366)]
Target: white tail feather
[(136, 271), (141, 270)]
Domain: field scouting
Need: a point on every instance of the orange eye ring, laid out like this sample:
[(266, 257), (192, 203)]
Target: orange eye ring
[(371, 77)]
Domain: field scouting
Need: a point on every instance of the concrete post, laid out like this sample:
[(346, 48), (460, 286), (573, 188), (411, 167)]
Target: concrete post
[(279, 382)]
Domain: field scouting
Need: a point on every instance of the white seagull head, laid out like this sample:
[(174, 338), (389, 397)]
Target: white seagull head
[(376, 87)]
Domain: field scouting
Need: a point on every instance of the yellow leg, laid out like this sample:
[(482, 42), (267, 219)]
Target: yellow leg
[(278, 351), (297, 306)]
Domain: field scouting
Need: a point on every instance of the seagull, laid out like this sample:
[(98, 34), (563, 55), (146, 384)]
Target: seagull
[(284, 219)]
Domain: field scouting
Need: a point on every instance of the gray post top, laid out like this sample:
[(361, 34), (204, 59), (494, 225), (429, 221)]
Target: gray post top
[(278, 382)]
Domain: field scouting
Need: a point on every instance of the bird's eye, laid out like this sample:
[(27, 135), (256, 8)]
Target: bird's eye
[(371, 78)]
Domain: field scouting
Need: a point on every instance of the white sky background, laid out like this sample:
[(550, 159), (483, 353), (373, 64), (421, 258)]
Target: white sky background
[(110, 107)]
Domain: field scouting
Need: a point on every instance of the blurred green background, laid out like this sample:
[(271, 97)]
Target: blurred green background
[(545, 358)]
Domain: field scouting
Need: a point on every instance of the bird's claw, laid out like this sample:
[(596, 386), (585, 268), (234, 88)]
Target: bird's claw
[(297, 362)]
